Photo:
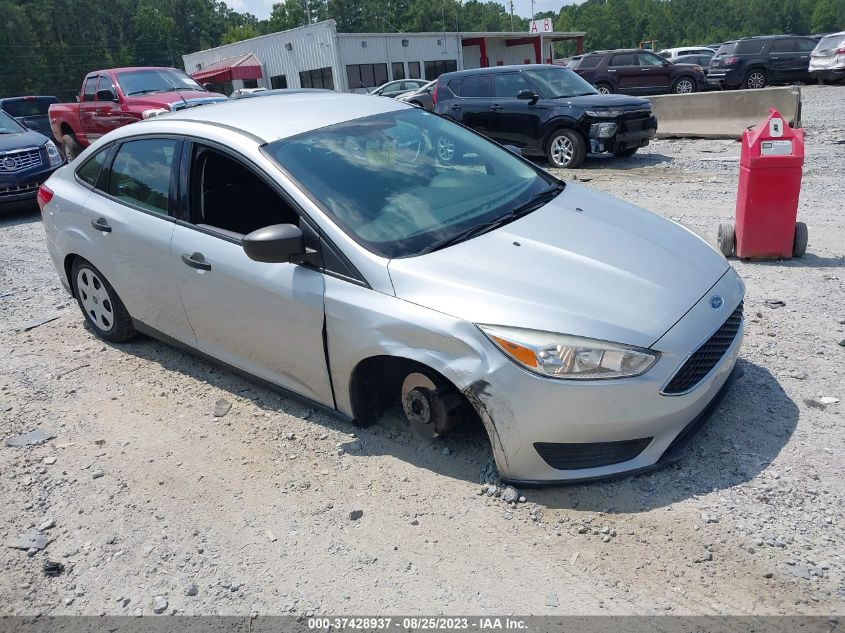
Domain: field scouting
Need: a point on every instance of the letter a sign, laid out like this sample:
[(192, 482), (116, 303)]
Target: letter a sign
[(541, 26)]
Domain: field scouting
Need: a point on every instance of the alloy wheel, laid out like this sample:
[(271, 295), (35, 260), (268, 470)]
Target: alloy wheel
[(756, 80), (95, 299), (603, 90), (562, 150), (684, 87)]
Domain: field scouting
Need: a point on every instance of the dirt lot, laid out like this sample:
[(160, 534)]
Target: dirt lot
[(153, 503)]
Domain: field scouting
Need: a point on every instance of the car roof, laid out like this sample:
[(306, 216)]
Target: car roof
[(498, 69), (275, 116), (28, 98), (129, 68)]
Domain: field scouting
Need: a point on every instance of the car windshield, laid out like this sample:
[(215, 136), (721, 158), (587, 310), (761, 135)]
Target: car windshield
[(137, 82), (559, 82), (31, 106), (405, 182), (8, 125)]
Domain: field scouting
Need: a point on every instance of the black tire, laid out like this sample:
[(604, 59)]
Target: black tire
[(566, 149), (727, 239), (755, 79), (100, 304), (799, 244), (604, 88), (684, 85), (71, 147), (626, 153)]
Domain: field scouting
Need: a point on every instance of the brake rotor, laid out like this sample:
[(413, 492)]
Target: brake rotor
[(418, 403)]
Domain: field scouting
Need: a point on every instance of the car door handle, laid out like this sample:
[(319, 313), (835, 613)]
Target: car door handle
[(645, 69), (495, 107), (196, 260), (610, 70), (101, 225)]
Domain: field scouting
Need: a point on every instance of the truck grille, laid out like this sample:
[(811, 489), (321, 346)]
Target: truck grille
[(707, 356), (20, 159), (13, 190)]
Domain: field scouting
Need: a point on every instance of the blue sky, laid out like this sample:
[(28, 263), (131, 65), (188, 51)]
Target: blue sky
[(261, 8)]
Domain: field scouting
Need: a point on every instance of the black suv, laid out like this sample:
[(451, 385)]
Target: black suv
[(756, 62), (637, 71), (544, 111)]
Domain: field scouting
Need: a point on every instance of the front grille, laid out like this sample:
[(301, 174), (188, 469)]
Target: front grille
[(707, 356), (636, 121), (13, 190), (591, 454), (21, 159)]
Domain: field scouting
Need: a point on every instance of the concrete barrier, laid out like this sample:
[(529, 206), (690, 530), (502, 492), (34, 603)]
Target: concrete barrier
[(723, 113)]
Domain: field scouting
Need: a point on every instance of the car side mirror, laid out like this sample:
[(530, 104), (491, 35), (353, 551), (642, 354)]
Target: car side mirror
[(32, 125), (528, 95), (276, 244), (106, 95)]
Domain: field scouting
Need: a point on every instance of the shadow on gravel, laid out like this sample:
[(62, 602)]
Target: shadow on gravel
[(745, 434), (467, 450), (609, 161), (807, 261), (25, 216)]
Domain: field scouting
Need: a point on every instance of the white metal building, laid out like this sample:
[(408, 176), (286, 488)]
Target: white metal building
[(317, 56)]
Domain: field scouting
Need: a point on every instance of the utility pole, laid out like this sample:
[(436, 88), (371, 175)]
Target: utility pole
[(532, 9), (308, 11), (511, 5)]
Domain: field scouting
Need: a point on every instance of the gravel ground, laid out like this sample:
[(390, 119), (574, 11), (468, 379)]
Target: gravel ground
[(154, 504)]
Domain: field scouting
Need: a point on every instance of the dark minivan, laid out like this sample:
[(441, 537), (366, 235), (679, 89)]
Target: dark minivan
[(30, 111), (756, 62), (544, 111)]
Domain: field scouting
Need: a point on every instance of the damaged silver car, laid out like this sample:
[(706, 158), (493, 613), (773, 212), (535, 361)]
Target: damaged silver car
[(320, 243)]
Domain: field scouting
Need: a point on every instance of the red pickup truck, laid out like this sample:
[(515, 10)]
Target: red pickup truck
[(113, 98)]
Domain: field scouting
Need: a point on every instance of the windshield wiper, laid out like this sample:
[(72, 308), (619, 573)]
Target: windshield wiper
[(532, 204), (148, 91)]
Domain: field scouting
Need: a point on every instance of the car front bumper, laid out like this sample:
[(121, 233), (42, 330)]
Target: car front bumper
[(18, 191), (630, 134), (605, 427)]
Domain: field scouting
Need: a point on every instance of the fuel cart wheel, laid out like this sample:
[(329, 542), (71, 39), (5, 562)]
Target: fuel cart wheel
[(727, 239), (431, 409), (799, 244)]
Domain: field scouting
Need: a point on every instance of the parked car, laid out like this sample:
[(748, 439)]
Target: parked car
[(695, 60), (332, 253), (544, 111), (240, 92), (398, 87), (685, 51), (420, 97), (113, 98), (639, 72), (757, 62), (27, 158), (31, 112), (827, 61)]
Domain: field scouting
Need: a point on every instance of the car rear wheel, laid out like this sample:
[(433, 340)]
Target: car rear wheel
[(684, 86), (566, 149), (432, 407), (755, 79), (100, 304), (605, 89), (727, 239), (799, 244), (71, 147)]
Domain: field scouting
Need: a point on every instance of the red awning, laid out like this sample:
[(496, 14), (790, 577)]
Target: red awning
[(240, 67)]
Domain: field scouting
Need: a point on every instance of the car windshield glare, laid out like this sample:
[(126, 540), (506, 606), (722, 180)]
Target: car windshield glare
[(401, 181), (8, 125), (136, 82), (560, 82)]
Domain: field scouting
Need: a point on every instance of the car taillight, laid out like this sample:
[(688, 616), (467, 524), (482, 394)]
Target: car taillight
[(840, 50), (434, 93), (45, 194), (730, 61)]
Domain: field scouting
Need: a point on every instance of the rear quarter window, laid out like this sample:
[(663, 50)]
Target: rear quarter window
[(89, 171), (726, 49)]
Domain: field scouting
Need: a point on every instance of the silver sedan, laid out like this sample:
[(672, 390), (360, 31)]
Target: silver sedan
[(321, 243)]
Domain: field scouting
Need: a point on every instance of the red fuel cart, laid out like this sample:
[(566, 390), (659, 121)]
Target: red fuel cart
[(770, 168)]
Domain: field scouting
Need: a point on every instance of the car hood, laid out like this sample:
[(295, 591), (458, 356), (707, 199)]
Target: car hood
[(30, 138), (174, 99), (605, 102), (585, 264)]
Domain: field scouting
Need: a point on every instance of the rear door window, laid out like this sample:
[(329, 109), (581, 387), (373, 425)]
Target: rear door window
[(509, 84), (142, 173), (785, 45), (749, 47), (476, 86), (626, 59)]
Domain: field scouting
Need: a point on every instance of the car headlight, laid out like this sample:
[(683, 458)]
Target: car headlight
[(148, 114), (54, 156), (569, 357)]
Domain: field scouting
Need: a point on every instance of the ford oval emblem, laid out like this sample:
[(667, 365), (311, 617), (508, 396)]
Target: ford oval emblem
[(715, 302)]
